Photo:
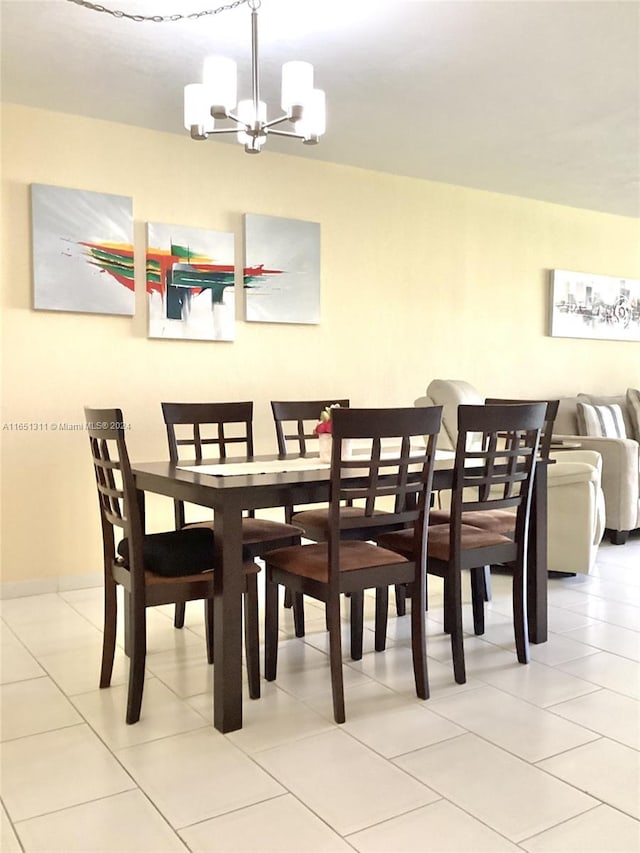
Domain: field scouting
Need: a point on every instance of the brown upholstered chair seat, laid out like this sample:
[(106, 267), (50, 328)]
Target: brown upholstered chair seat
[(496, 520), (312, 561), (258, 532), (315, 522), (471, 538), (438, 540)]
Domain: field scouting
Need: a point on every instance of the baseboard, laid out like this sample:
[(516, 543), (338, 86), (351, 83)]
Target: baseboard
[(43, 586)]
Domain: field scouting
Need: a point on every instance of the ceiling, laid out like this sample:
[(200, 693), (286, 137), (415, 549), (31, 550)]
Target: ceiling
[(527, 97)]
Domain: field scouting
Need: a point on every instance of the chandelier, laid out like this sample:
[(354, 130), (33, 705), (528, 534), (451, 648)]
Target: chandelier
[(215, 99)]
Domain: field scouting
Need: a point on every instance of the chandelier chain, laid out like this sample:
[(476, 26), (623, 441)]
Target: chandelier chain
[(158, 19)]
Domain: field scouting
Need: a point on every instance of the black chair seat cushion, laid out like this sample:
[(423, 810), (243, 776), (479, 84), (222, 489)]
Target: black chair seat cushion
[(175, 554), (311, 561)]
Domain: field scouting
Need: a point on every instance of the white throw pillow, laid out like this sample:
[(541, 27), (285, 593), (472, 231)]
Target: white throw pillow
[(601, 421)]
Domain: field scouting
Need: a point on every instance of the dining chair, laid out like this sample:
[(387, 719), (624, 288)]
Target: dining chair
[(295, 421), (496, 454), (499, 520), (153, 569), (193, 428), (325, 570)]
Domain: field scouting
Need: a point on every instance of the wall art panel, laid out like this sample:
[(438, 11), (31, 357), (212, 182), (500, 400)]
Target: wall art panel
[(281, 270), (82, 251), (599, 307), (190, 275)]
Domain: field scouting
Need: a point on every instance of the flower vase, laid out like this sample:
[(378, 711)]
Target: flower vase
[(325, 440), (325, 444)]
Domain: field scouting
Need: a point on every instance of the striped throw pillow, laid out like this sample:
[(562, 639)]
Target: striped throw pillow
[(601, 421)]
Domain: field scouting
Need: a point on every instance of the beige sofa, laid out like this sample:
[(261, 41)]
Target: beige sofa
[(620, 462), (576, 507)]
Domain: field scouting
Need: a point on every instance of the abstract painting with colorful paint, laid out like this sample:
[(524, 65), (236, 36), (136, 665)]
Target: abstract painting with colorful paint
[(82, 251), (190, 274)]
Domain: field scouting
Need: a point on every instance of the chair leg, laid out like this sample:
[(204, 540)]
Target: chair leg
[(270, 629), (288, 598), (298, 612), (446, 627), (477, 599), (335, 657), (357, 624), (419, 641), (520, 620), (251, 636), (128, 629), (208, 626), (109, 631), (178, 617), (401, 599), (453, 617), (138, 652), (382, 612), (487, 583)]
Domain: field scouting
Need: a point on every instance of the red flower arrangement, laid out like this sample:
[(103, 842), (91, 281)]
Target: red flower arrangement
[(324, 425)]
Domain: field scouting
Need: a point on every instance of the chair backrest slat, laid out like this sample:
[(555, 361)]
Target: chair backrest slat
[(549, 419), (397, 469), (499, 474), (117, 496), (221, 416), (225, 419), (295, 421)]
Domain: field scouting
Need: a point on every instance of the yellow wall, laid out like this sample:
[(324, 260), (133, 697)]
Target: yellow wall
[(419, 280)]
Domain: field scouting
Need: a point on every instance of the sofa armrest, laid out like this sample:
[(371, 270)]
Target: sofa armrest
[(444, 442), (589, 457), (575, 512), (620, 477), (568, 473)]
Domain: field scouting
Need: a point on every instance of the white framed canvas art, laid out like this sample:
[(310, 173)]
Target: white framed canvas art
[(190, 279), (599, 307), (82, 251), (281, 270)]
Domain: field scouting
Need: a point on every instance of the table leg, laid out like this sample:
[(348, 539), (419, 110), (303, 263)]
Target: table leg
[(227, 619), (537, 575)]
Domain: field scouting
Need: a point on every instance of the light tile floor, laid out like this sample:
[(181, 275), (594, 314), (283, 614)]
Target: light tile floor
[(539, 758)]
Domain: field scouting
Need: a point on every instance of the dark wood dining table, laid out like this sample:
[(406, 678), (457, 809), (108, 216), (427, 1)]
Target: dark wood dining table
[(230, 496)]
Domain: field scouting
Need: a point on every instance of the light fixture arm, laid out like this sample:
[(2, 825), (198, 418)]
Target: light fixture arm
[(289, 133), (274, 121)]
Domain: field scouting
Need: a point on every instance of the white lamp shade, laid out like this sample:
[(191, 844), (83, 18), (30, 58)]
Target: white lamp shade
[(314, 121), (196, 107), (220, 78), (297, 84)]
